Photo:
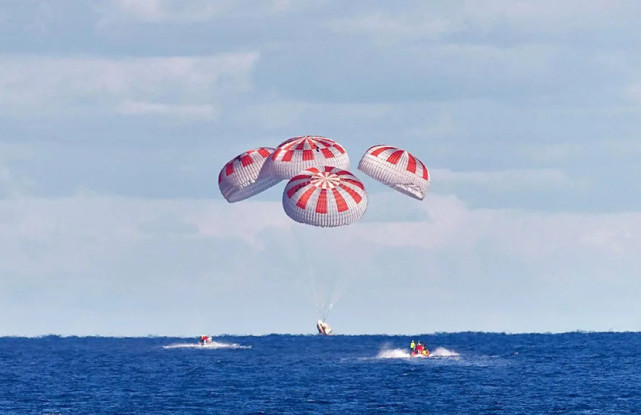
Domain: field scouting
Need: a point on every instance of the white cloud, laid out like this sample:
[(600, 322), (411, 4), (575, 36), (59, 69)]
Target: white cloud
[(107, 257), (387, 27), (551, 15), (620, 147), (182, 111), (14, 151), (633, 92), (182, 86), (452, 81), (121, 221), (436, 20), (278, 112), (12, 185), (533, 236), (443, 125), (513, 179), (440, 125), (157, 11), (194, 11), (553, 152), (6, 181)]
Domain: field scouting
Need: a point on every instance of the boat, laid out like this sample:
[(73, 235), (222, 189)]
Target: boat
[(423, 353), (205, 340), (418, 350), (323, 328)]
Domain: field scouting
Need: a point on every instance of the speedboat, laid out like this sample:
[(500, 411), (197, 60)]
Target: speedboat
[(419, 350), (423, 353), (205, 340)]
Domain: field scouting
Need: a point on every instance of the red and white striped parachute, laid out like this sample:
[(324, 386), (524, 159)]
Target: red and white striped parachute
[(299, 153), (325, 196), (244, 176), (397, 169)]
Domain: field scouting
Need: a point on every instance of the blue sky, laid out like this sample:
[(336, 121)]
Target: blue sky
[(116, 116)]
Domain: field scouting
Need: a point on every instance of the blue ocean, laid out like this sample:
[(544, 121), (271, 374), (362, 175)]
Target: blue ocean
[(467, 373)]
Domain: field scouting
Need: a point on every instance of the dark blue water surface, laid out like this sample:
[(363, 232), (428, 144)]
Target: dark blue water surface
[(582, 373)]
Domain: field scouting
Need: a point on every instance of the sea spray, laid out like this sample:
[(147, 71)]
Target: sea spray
[(443, 352), (212, 345), (393, 354)]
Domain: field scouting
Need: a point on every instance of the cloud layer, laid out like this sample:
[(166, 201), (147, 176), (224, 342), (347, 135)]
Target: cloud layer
[(102, 260), (178, 86), (117, 115)]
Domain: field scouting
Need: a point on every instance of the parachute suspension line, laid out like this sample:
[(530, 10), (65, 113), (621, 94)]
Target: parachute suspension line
[(326, 310), (308, 269)]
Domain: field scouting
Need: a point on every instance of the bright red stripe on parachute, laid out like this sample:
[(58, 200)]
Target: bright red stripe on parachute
[(411, 163), (292, 190), (299, 177), (380, 150), (425, 172), (287, 145), (339, 148), (263, 152), (301, 145), (327, 153), (355, 183), (246, 160), (308, 155), (341, 204), (229, 169), (357, 198), (288, 155), (276, 153), (328, 169), (302, 202), (395, 157), (321, 203)]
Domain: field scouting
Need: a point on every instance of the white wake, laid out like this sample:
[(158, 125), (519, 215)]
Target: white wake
[(405, 354), (443, 352), (212, 345), (393, 354)]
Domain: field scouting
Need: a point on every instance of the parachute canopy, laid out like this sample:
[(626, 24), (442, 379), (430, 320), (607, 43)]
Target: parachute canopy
[(299, 153), (244, 176), (397, 169), (326, 196)]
